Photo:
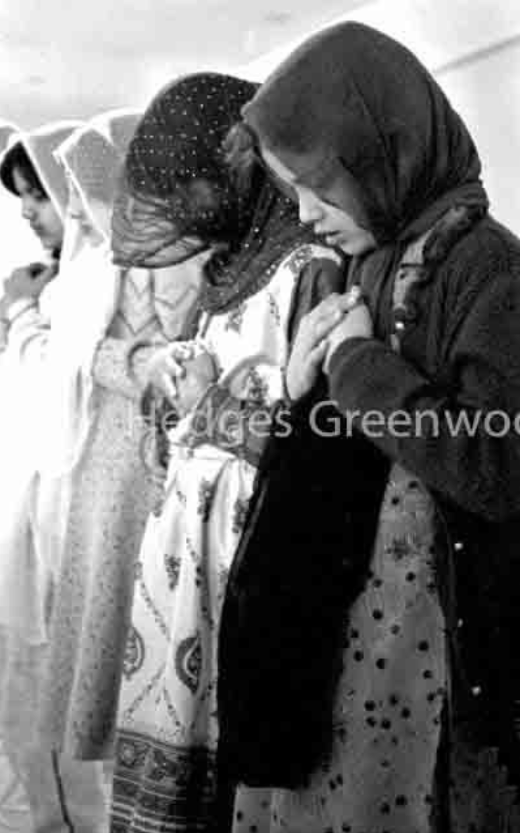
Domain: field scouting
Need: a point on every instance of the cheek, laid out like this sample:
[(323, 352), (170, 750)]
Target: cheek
[(343, 221), (51, 219)]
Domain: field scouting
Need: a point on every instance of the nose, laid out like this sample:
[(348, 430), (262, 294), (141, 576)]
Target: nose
[(309, 207)]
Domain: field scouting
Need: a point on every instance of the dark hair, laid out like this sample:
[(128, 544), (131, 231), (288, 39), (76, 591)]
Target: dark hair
[(245, 163), (18, 158), (242, 156)]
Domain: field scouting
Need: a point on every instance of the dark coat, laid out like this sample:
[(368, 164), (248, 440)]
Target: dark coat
[(460, 351)]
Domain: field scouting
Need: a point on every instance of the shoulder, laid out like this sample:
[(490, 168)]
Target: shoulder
[(481, 275), (482, 301), (319, 267), (318, 272), (489, 251)]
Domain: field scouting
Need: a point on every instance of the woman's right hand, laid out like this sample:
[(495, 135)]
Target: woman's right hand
[(310, 345), (165, 367), (201, 372)]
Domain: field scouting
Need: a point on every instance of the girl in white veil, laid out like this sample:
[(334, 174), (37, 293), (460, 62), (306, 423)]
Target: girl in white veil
[(16, 237), (97, 440), (52, 350), (19, 419), (60, 792)]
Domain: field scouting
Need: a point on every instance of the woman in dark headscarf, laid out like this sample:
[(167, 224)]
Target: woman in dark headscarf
[(263, 270), (427, 366)]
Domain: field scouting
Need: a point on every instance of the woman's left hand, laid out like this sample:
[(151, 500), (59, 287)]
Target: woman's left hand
[(356, 324), (200, 373), (310, 345)]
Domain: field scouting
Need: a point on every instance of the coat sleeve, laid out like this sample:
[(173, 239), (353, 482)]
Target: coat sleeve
[(461, 437)]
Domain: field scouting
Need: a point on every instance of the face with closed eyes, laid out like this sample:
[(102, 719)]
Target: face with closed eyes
[(328, 220), (39, 211)]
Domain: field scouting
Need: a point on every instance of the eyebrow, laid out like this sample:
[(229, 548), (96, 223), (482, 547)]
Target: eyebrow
[(315, 178), (294, 181)]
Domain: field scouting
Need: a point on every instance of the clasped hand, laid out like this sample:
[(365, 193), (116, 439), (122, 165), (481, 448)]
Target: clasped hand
[(321, 331), (182, 372)]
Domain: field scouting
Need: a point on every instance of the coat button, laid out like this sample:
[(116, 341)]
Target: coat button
[(412, 312)]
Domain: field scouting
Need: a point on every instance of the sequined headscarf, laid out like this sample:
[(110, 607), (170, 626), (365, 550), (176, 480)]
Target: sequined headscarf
[(93, 158), (177, 195)]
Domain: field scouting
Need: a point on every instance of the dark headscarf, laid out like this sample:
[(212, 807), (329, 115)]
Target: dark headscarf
[(354, 110), (177, 185)]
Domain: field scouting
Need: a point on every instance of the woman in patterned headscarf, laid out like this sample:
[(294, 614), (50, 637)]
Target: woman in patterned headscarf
[(179, 198), (428, 368)]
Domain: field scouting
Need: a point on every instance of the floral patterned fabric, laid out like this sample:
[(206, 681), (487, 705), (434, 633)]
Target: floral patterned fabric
[(381, 774), (165, 775), (399, 764)]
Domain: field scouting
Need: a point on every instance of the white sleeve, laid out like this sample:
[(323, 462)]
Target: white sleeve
[(29, 330)]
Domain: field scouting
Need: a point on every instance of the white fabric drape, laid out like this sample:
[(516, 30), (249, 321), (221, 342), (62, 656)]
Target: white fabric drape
[(20, 382), (47, 378)]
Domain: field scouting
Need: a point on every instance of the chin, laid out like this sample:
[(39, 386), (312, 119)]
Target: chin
[(356, 248), (349, 248), (51, 245)]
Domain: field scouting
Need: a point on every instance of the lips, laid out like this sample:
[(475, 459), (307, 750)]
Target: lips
[(329, 235), (334, 239)]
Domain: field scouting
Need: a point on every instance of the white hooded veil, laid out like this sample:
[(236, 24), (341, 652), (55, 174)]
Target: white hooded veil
[(87, 288), (19, 420), (82, 303)]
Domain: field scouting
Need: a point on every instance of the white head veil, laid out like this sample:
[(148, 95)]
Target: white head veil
[(19, 244), (40, 145), (22, 246), (86, 291)]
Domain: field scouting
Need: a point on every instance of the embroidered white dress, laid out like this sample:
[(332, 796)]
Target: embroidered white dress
[(168, 732)]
